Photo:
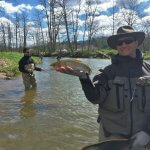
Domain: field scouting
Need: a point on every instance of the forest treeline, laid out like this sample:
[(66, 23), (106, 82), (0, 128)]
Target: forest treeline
[(56, 25)]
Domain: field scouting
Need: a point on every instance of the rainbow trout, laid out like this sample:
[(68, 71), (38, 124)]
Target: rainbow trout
[(120, 144), (75, 64)]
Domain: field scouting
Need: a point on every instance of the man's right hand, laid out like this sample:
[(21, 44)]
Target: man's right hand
[(30, 70)]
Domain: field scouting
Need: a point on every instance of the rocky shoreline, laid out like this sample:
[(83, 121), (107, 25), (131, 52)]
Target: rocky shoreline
[(3, 75)]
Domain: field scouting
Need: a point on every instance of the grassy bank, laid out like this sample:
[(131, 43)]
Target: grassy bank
[(9, 62), (104, 53)]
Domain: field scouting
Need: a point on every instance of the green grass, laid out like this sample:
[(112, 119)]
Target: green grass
[(147, 55), (11, 62)]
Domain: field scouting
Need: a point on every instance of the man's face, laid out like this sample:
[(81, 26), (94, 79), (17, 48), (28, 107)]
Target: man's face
[(127, 46), (27, 53)]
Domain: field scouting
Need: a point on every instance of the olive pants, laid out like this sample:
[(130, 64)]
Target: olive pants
[(29, 80), (112, 137)]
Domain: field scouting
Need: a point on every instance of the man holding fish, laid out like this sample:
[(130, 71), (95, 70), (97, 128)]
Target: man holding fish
[(122, 90), (27, 67)]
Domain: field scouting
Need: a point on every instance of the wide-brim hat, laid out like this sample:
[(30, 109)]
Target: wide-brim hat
[(125, 31)]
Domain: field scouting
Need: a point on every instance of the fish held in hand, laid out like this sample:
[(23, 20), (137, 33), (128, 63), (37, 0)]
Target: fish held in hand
[(74, 64)]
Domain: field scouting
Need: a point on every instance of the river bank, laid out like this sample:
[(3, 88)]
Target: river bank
[(3, 75), (9, 60), (54, 116)]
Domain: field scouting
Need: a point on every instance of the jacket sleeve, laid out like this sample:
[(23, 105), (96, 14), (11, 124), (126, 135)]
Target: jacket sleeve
[(38, 69), (96, 91)]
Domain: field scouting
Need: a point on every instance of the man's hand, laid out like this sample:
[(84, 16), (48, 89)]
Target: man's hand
[(69, 70), (141, 139), (30, 70)]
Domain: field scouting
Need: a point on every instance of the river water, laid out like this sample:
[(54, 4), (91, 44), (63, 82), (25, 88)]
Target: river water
[(56, 116)]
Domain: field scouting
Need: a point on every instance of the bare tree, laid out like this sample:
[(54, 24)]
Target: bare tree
[(53, 18), (75, 24), (66, 12), (129, 11), (17, 25), (39, 24), (3, 36), (91, 26), (146, 27), (25, 27), (84, 28), (9, 36)]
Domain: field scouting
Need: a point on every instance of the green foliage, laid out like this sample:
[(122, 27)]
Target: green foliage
[(103, 53), (10, 59), (147, 55), (109, 52)]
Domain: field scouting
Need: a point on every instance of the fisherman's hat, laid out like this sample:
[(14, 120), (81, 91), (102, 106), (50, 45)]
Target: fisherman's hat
[(125, 31)]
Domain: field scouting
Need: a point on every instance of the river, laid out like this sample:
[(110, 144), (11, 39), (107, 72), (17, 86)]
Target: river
[(56, 116)]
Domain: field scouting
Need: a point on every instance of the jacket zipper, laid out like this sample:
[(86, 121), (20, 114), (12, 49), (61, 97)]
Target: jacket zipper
[(143, 98)]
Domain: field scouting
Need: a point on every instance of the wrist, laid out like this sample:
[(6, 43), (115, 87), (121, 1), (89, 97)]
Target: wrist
[(84, 76)]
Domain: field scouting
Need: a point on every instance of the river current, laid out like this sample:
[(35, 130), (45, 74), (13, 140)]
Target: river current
[(55, 116)]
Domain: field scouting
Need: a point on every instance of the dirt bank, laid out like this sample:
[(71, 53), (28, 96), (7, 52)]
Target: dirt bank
[(3, 75)]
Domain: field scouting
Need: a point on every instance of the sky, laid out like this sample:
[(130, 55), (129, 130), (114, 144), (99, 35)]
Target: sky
[(105, 8), (12, 6)]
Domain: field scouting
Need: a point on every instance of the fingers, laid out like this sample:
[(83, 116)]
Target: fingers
[(69, 68), (71, 71), (61, 69)]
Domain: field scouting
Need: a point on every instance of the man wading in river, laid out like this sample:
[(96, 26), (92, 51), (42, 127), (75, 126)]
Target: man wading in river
[(122, 91), (27, 67)]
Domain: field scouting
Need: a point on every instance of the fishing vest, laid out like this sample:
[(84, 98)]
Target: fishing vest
[(126, 109)]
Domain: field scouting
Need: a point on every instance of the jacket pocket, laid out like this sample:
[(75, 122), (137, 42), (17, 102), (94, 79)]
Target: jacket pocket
[(143, 96), (115, 99)]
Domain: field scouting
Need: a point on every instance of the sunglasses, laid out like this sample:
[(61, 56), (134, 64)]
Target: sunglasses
[(126, 41)]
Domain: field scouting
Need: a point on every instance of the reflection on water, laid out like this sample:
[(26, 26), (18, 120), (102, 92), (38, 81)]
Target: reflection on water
[(28, 109), (55, 116)]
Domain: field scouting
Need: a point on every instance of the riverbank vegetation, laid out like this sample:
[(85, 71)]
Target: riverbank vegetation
[(103, 53), (9, 60)]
